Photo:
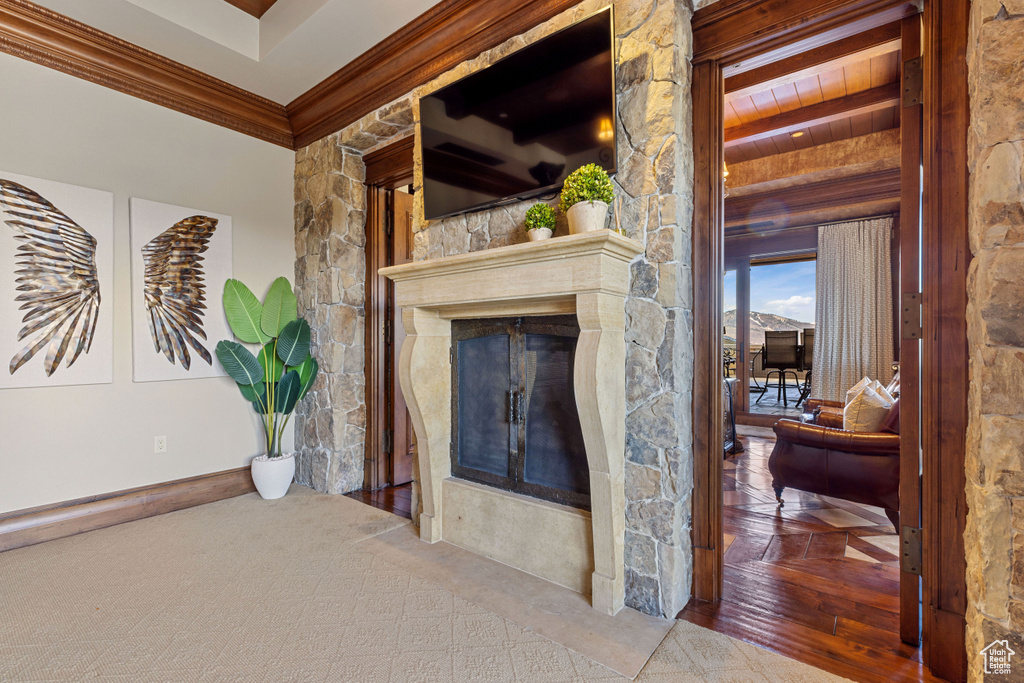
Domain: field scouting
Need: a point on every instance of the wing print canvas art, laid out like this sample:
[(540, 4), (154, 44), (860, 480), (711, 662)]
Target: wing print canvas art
[(56, 283), (181, 258)]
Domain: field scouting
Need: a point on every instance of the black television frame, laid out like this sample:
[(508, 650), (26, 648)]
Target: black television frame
[(555, 187)]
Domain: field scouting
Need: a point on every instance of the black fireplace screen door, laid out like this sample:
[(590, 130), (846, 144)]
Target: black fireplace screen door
[(514, 420)]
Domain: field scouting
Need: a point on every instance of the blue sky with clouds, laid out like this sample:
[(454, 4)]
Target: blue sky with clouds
[(785, 289)]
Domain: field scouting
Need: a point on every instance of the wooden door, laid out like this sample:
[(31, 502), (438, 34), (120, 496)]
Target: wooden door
[(910, 333), (403, 446)]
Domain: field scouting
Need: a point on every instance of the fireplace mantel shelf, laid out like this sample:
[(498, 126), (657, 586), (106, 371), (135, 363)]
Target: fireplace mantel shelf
[(551, 270), (586, 275)]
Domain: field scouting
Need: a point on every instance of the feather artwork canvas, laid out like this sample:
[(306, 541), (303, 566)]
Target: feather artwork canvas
[(56, 283), (181, 258)]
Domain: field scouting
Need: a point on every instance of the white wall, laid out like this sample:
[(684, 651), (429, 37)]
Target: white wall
[(67, 442)]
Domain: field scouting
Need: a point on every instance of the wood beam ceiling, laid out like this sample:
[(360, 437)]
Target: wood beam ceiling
[(256, 8), (858, 48), (815, 114)]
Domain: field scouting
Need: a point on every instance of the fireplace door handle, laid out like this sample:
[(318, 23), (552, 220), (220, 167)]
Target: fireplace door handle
[(513, 406)]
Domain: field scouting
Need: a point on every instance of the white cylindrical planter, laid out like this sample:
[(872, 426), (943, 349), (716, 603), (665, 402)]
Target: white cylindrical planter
[(538, 234), (273, 476), (586, 216)]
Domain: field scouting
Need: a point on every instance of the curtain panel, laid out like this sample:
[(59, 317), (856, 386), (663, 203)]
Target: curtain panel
[(853, 308)]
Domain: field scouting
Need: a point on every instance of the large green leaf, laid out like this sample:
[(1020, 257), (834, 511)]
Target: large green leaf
[(279, 308), (287, 393), (252, 392), (239, 363), (293, 344), (244, 312), (273, 367), (260, 405), (307, 374)]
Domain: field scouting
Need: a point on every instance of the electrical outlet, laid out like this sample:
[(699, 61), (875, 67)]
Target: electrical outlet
[(159, 444)]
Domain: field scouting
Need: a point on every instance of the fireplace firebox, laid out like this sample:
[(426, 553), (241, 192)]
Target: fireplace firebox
[(515, 424)]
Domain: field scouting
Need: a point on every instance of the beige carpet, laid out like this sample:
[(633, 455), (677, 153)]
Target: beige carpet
[(253, 590), (622, 643)]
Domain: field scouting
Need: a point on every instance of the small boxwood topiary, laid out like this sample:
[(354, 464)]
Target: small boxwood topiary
[(540, 216), (588, 183)]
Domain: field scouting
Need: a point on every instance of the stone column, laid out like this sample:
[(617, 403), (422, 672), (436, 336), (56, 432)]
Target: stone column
[(994, 538)]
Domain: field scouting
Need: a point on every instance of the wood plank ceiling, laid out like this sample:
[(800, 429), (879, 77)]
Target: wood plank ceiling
[(877, 74), (256, 8)]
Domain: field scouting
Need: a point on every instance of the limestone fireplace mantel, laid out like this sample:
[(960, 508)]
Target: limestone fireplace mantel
[(587, 275)]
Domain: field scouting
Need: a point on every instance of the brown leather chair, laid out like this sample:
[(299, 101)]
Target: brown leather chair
[(859, 467), (827, 413)]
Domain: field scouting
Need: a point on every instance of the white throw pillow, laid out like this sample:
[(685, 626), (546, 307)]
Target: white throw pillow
[(882, 391), (856, 389), (866, 412)]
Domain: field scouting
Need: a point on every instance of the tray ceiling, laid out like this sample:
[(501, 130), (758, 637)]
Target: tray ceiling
[(275, 49)]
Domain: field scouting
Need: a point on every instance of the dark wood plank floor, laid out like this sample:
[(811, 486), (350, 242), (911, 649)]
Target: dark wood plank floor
[(394, 499), (817, 580)]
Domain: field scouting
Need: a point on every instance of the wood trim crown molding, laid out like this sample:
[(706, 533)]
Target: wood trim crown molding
[(255, 8), (444, 36), (48, 522), (864, 188), (747, 34), (59, 42)]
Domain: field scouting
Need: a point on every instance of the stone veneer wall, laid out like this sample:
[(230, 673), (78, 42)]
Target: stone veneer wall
[(995, 439), (655, 181), (330, 275)]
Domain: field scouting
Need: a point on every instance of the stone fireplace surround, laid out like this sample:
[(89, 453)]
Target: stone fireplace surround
[(587, 275)]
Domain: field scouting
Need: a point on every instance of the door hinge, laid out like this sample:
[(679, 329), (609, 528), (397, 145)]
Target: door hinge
[(387, 330), (388, 441), (910, 550), (451, 354), (911, 315), (389, 214), (913, 82)]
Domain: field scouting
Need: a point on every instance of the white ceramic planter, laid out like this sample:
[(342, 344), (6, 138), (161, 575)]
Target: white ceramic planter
[(586, 217), (273, 476), (538, 234)]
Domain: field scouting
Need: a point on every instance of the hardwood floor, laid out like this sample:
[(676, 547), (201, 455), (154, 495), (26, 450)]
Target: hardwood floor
[(817, 580), (394, 499)]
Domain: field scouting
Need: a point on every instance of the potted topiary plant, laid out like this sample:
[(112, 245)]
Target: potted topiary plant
[(585, 198), (540, 222), (273, 380)]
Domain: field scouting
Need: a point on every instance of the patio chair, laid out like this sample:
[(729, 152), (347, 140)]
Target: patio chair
[(781, 357)]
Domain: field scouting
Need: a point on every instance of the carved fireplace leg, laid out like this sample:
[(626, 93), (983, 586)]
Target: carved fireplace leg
[(600, 384), (425, 376)]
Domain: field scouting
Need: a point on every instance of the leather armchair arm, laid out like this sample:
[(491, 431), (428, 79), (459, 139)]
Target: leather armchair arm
[(817, 436), (829, 418), (812, 404)]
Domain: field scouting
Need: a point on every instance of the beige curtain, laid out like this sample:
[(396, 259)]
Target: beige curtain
[(853, 308)]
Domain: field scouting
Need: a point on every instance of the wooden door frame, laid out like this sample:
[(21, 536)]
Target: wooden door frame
[(386, 169), (743, 34)]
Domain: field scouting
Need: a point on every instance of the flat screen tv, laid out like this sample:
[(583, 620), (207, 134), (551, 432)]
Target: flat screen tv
[(517, 128)]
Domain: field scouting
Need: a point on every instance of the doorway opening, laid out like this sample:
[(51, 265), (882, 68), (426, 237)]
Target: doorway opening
[(809, 128), (390, 439)]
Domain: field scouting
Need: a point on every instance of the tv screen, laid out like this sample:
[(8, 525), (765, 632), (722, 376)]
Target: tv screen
[(517, 128)]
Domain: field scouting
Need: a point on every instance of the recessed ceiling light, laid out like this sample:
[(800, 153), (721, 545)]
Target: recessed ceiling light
[(797, 134)]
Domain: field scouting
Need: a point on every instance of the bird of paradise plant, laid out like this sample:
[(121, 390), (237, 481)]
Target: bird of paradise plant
[(282, 371)]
